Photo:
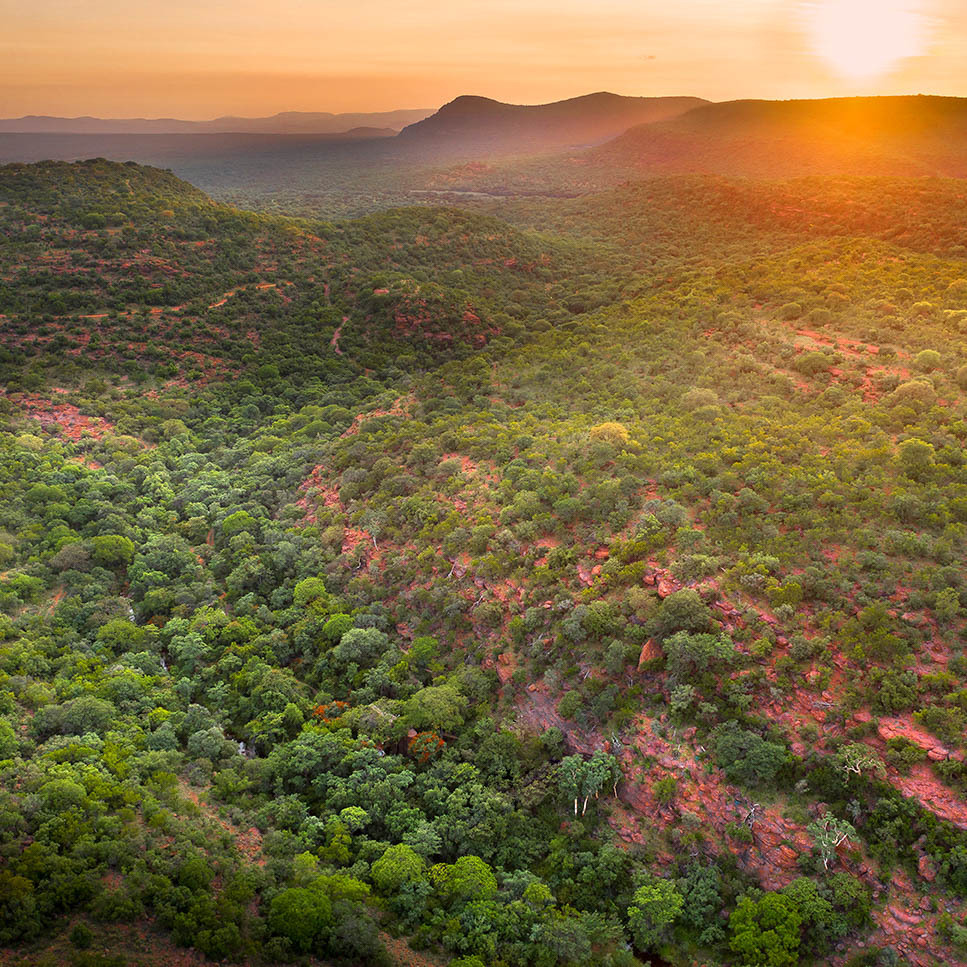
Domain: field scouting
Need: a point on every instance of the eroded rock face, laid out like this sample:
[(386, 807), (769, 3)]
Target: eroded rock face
[(704, 792), (905, 923), (506, 663), (707, 812), (709, 815), (896, 727), (707, 803), (921, 783)]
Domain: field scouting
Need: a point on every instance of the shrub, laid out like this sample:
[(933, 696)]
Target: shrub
[(918, 393), (809, 364), (748, 758), (927, 360), (614, 433), (570, 704)]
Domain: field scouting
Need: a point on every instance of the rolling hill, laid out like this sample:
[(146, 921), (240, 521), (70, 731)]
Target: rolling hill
[(915, 135), (575, 583), (481, 125)]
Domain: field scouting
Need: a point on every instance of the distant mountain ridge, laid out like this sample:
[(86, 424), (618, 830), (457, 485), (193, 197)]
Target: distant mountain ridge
[(480, 123), (895, 135), (861, 116), (286, 122)]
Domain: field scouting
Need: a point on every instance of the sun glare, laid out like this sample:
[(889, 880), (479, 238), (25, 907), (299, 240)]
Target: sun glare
[(863, 39)]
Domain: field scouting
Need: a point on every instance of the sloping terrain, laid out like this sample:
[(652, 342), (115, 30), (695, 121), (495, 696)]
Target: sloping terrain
[(481, 126), (781, 139), (575, 582), (880, 137)]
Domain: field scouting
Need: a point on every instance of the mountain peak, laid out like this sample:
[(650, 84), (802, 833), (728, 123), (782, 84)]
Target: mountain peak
[(475, 123)]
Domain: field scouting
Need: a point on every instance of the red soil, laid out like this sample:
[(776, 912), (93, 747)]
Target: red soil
[(66, 418), (247, 841), (334, 342)]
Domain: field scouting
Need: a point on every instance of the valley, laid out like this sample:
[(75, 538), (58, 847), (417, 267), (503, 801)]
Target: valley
[(566, 569)]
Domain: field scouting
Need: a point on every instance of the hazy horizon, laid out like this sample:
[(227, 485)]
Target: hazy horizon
[(189, 61), (218, 117), (432, 109)]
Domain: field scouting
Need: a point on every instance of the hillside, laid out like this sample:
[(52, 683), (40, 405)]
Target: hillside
[(576, 582), (759, 140), (483, 126), (780, 139), (97, 240)]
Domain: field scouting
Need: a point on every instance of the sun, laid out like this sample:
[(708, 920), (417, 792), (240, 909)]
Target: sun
[(864, 39)]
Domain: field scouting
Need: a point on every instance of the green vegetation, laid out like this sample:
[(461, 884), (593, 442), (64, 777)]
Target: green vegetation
[(571, 583)]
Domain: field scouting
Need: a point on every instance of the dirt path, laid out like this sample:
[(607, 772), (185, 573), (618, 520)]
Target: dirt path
[(334, 342), (259, 287)]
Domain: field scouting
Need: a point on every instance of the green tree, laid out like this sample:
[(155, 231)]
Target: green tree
[(915, 457), (691, 654), (363, 646), (399, 865), (765, 932), (112, 551), (570, 777), (302, 915), (8, 739), (655, 907), (681, 611), (829, 833), (821, 924), (310, 590), (747, 758), (439, 707), (469, 878), (857, 758)]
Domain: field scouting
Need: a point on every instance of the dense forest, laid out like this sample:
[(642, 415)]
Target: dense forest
[(558, 581)]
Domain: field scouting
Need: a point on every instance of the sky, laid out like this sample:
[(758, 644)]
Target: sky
[(199, 59)]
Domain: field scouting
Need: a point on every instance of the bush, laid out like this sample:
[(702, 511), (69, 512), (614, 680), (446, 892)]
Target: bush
[(654, 908), (570, 704), (918, 393), (613, 433), (681, 611), (766, 931), (82, 936), (399, 865), (747, 758), (303, 916), (809, 364)]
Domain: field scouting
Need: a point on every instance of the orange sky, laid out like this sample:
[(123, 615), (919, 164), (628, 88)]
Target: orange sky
[(203, 58)]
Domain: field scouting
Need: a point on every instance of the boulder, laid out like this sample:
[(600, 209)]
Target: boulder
[(926, 868), (650, 650)]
